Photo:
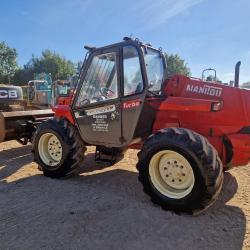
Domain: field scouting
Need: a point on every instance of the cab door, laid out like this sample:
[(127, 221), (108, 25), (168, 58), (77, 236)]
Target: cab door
[(110, 96), (97, 108), (134, 90)]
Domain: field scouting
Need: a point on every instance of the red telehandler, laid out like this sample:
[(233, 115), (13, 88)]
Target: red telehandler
[(188, 131)]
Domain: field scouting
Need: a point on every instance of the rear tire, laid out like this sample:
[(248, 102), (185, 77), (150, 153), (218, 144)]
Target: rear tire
[(180, 170), (57, 148)]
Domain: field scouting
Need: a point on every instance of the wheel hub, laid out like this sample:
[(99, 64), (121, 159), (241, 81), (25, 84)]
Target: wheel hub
[(171, 174), (55, 148)]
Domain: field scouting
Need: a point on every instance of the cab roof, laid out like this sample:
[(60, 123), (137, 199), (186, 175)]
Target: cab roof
[(126, 41)]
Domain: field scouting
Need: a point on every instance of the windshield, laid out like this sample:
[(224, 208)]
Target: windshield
[(155, 70), (100, 83)]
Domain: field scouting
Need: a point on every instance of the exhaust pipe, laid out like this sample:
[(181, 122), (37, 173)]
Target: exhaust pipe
[(237, 74)]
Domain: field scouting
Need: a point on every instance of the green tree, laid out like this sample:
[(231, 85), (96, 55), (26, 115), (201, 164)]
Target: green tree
[(48, 62), (23, 75), (8, 64), (51, 62), (176, 65)]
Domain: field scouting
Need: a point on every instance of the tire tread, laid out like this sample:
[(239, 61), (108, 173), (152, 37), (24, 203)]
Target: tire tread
[(74, 151), (200, 148)]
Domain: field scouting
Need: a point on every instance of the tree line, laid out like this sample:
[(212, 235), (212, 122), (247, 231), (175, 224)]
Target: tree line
[(58, 66)]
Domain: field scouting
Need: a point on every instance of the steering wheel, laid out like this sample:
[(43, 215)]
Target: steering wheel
[(98, 99), (105, 91), (84, 102)]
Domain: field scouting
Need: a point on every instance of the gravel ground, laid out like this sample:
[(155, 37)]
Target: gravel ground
[(103, 207)]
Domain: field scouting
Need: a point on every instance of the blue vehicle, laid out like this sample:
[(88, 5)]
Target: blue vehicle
[(40, 91)]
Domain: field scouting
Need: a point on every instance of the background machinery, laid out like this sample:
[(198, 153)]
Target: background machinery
[(62, 92), (11, 98), (39, 91), (19, 117), (21, 125)]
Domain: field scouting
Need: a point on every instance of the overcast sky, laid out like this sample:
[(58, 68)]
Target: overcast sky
[(206, 33)]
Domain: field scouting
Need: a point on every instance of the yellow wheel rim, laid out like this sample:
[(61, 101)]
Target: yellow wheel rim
[(171, 174), (50, 149)]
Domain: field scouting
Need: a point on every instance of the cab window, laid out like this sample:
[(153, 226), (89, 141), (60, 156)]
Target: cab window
[(154, 69), (100, 83), (132, 78)]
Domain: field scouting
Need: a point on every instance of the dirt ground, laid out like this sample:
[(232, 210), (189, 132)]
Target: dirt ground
[(103, 207)]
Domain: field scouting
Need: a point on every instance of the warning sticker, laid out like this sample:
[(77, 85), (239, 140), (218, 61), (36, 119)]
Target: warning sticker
[(101, 110)]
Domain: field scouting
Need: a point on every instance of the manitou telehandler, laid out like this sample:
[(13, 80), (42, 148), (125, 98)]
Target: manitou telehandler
[(188, 131)]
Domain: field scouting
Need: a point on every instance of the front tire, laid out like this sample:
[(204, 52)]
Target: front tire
[(180, 170), (57, 148)]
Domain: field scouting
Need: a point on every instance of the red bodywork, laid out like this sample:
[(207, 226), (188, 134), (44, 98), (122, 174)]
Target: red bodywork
[(189, 105), (62, 108), (63, 111), (216, 111), (64, 100)]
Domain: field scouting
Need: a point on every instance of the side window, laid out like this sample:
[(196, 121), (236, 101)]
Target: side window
[(133, 82), (155, 70), (100, 83)]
